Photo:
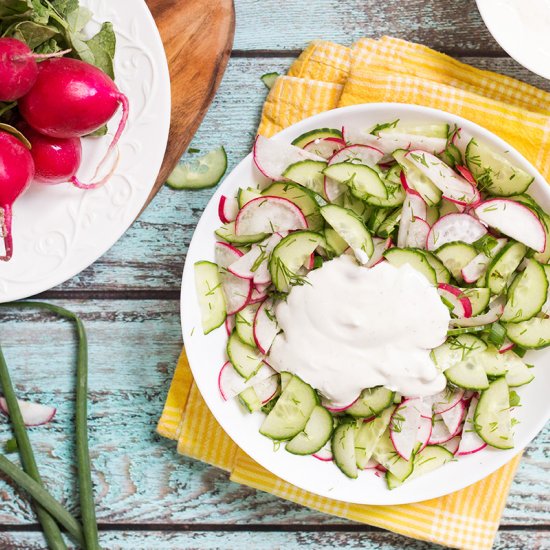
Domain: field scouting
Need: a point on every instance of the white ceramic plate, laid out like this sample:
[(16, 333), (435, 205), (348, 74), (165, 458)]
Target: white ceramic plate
[(207, 353), (60, 230), (522, 28)]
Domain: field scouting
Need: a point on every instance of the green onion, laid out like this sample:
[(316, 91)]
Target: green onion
[(497, 334), (40, 495), (87, 507), (50, 528), (519, 351)]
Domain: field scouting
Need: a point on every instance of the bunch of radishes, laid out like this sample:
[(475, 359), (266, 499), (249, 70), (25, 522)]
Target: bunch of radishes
[(60, 100)]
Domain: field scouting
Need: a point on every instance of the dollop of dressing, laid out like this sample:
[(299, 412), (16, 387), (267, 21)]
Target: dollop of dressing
[(349, 328)]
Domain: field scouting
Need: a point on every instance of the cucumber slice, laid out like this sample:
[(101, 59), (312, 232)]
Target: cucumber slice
[(312, 135), (455, 256), (244, 321), (503, 265), (456, 349), (269, 79), (249, 398), (428, 460), (350, 227), (227, 233), (532, 334), (210, 295), (309, 174), (199, 173), (426, 130), (387, 456), (290, 414), (361, 179), (371, 402), (479, 298), (245, 359), (494, 363), (361, 208), (376, 218), (517, 372), (315, 434), (442, 274), (492, 419), (389, 225), (528, 294), (468, 374), (302, 198), (401, 256), (246, 195), (368, 435), (493, 172), (286, 377), (343, 447), (336, 244), (290, 255), (394, 189)]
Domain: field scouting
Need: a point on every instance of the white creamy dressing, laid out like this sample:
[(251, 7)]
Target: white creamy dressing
[(350, 328)]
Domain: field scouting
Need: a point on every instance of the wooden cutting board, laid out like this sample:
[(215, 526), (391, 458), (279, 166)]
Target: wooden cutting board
[(197, 37)]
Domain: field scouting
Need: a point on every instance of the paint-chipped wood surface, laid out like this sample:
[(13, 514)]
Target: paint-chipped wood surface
[(148, 496)]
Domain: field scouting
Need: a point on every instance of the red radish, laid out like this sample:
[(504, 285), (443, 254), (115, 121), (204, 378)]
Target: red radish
[(56, 160), (325, 147), (336, 407), (454, 416), (16, 174), (470, 442), (446, 400), (413, 207), (324, 454), (380, 246), (257, 296), (333, 189), (452, 444), (18, 68), (506, 346), (265, 327), (256, 258), (405, 426), (462, 307), (228, 209), (440, 432), (266, 389), (424, 432), (362, 154), (229, 324), (496, 309), (231, 383), (418, 233), (70, 99), (454, 227), (34, 414), (405, 183), (478, 266), (466, 174)]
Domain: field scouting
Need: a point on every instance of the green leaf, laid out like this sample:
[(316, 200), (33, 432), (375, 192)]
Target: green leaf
[(103, 46), (78, 19), (41, 13), (13, 7), (99, 133), (33, 34), (15, 132), (64, 7)]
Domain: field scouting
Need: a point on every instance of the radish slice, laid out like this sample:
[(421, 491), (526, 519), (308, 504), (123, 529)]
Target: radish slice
[(506, 346), (418, 233), (229, 324), (254, 264), (336, 407), (237, 291), (325, 147), (360, 154), (269, 215), (462, 307), (371, 464), (466, 174), (325, 453), (453, 417), (265, 326), (405, 426), (257, 296), (266, 389), (333, 189), (424, 432), (496, 309), (470, 442), (478, 266), (454, 187), (231, 383), (34, 414), (445, 400), (515, 220), (440, 432), (413, 207), (380, 246), (452, 444), (454, 227), (273, 156), (228, 208)]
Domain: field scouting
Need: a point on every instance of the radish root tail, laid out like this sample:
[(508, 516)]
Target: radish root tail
[(6, 233)]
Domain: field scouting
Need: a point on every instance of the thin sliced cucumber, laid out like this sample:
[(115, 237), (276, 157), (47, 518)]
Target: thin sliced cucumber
[(319, 133), (493, 172), (210, 295), (532, 334), (517, 372), (503, 265), (269, 79), (343, 447), (290, 255), (455, 256), (286, 377), (290, 414), (199, 173), (479, 298), (309, 174), (315, 434), (442, 274), (528, 295), (492, 419), (227, 233), (401, 256), (387, 456), (336, 244), (425, 130), (368, 435), (468, 374), (246, 195), (494, 363), (249, 398), (457, 349), (350, 227), (244, 321), (371, 402), (376, 218), (389, 225), (245, 359), (360, 178), (361, 208), (394, 189)]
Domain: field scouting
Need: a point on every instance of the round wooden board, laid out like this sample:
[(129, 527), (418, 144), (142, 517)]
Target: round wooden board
[(197, 37)]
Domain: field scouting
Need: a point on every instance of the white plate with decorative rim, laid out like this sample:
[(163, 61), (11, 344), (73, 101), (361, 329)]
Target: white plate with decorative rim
[(60, 230), (207, 353)]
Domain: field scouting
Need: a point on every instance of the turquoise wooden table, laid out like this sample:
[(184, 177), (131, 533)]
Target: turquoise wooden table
[(147, 496)]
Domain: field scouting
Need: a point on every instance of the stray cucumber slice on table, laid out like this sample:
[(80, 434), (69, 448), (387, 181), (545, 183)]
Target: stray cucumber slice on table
[(200, 172), (211, 299), (269, 79)]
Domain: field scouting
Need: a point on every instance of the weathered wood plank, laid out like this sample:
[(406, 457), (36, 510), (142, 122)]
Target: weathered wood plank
[(139, 477), (150, 256), (448, 26), (202, 540)]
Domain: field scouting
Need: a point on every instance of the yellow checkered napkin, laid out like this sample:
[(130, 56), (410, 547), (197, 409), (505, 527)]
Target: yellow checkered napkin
[(326, 76)]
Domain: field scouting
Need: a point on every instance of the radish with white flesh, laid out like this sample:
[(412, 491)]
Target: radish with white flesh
[(273, 156), (380, 246), (34, 414), (452, 444), (231, 383), (478, 266), (424, 433), (418, 233), (257, 296), (440, 433), (515, 220), (496, 309), (333, 189), (265, 326), (405, 425), (470, 442), (325, 147), (266, 389), (228, 208), (324, 454), (455, 227), (454, 187), (454, 416), (360, 154), (336, 407), (413, 207), (236, 290), (16, 174), (461, 305), (253, 264), (466, 174), (229, 324), (269, 215), (447, 399)]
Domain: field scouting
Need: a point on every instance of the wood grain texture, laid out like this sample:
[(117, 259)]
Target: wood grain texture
[(196, 60)]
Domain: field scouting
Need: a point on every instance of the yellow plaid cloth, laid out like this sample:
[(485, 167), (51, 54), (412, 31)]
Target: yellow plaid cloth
[(326, 76)]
